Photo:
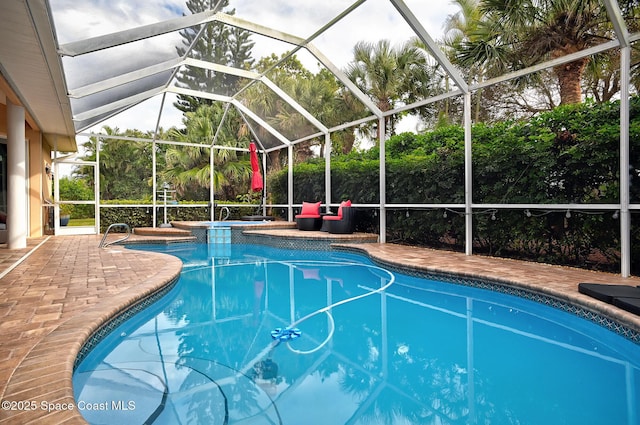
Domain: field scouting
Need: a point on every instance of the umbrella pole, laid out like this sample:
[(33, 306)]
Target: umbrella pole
[(264, 182)]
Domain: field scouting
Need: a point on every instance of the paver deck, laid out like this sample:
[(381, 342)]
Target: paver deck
[(52, 301)]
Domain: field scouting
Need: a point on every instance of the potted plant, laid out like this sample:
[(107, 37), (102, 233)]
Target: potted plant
[(65, 214)]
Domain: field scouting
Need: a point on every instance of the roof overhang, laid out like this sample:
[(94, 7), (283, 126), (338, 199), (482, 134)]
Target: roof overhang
[(31, 73)]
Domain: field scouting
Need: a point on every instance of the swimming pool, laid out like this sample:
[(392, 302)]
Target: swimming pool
[(393, 349)]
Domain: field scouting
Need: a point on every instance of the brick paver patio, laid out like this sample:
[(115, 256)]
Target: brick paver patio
[(51, 303)]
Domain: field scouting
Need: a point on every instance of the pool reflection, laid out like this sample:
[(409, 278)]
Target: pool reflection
[(421, 352)]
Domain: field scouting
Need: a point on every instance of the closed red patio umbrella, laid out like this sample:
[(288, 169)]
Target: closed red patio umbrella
[(256, 178)]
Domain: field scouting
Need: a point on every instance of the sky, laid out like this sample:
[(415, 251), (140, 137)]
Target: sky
[(371, 21)]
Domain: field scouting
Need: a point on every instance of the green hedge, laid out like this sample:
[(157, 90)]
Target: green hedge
[(142, 216), (569, 155)]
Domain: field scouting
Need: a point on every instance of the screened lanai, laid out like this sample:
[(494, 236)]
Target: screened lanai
[(125, 66)]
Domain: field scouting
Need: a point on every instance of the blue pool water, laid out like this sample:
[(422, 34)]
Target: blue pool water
[(391, 349)]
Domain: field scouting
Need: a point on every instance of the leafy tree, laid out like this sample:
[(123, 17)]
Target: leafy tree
[(76, 189), (218, 44), (503, 101), (188, 167), (459, 28), (319, 94), (565, 156), (602, 75), (516, 34), (326, 99), (125, 165)]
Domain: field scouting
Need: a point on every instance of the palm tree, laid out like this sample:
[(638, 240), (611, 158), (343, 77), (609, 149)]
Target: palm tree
[(188, 167), (460, 28), (602, 76), (329, 102), (390, 75), (520, 33), (319, 94)]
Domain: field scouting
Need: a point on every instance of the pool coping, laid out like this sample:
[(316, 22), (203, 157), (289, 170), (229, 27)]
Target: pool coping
[(37, 380), (189, 225), (612, 318)]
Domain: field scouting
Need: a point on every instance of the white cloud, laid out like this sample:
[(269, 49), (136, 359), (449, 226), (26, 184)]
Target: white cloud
[(371, 21), (144, 116), (90, 18)]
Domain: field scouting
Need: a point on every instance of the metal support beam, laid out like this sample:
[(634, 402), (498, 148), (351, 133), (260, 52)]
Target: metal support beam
[(295, 105), (107, 41), (265, 189), (468, 177), (382, 130), (431, 45), (571, 57), (242, 108), (220, 68), (619, 26), (342, 77), (197, 93), (625, 216), (96, 191), (154, 162), (327, 171), (261, 122), (212, 164), (622, 34), (154, 177), (237, 22), (123, 79), (118, 105), (220, 124), (266, 81), (212, 191), (290, 183)]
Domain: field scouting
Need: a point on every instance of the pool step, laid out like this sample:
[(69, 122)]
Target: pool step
[(161, 231), (219, 235)]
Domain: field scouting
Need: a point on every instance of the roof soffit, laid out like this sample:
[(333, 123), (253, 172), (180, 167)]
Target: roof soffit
[(32, 70)]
